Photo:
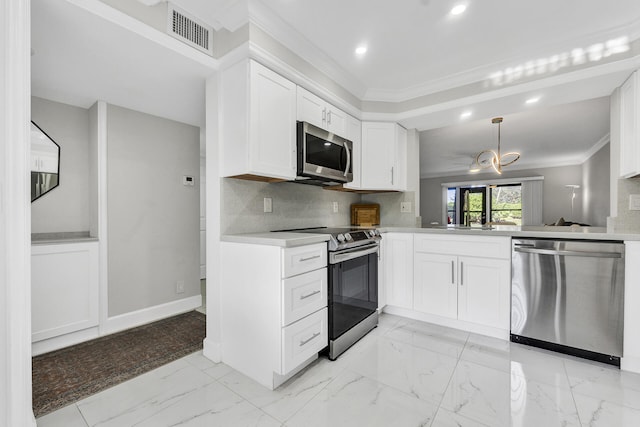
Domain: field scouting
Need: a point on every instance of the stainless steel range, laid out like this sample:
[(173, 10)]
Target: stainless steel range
[(353, 284)]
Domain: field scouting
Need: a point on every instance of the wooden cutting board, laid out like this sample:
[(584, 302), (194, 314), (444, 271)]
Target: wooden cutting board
[(365, 215)]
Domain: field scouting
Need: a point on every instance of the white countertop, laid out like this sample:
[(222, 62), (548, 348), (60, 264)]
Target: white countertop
[(590, 233), (61, 238), (283, 239), (292, 239)]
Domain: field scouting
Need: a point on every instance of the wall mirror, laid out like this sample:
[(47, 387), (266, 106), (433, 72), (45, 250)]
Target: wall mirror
[(45, 163)]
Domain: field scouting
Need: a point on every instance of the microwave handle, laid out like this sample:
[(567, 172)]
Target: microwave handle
[(346, 170)]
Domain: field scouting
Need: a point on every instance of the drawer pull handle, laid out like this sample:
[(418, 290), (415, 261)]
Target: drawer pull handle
[(309, 295), (303, 342), (309, 258)]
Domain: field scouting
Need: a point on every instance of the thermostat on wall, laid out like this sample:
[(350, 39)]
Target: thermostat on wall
[(188, 180)]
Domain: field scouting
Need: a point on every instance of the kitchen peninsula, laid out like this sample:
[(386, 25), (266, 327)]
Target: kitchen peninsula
[(478, 262)]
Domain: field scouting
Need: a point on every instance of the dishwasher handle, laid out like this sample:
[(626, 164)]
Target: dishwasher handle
[(529, 250)]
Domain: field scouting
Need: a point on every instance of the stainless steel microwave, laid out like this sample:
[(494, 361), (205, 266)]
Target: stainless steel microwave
[(323, 158)]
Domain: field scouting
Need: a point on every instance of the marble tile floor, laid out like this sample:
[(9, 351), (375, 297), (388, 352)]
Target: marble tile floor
[(404, 373)]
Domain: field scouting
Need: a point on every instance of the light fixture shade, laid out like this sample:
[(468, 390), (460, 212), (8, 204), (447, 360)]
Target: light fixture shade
[(489, 158)]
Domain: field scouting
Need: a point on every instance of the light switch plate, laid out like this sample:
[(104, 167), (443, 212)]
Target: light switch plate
[(335, 207), (268, 205), (405, 207), (634, 202)]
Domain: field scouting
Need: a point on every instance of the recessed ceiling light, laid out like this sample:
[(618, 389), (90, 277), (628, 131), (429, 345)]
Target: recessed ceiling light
[(458, 9), (361, 50), (532, 100), (465, 115)]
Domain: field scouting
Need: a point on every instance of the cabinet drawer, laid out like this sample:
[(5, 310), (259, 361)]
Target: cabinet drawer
[(483, 246), (303, 295), (303, 339), (302, 259)]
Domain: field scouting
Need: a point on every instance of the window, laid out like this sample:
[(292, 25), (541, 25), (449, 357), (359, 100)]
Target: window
[(477, 205), (473, 206), (506, 203), (451, 205)]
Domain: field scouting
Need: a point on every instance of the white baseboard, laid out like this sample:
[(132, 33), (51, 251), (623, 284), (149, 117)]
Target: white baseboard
[(150, 314), (502, 334), (630, 364), (62, 341), (117, 324), (212, 350)]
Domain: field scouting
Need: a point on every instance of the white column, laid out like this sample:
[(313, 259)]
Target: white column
[(15, 215), (212, 342)]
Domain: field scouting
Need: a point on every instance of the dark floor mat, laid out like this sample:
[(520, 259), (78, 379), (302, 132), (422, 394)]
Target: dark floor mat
[(65, 376)]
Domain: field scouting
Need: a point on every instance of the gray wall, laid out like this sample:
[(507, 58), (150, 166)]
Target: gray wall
[(595, 188), (153, 220), (556, 197), (66, 207), (294, 206)]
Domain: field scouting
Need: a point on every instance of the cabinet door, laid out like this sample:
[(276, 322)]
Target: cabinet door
[(484, 291), (400, 165), (337, 121), (378, 156), (629, 152), (435, 284), (311, 109), (354, 134), (398, 269), (64, 289), (272, 147)]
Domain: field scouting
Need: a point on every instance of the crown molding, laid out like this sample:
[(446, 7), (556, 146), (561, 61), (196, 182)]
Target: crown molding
[(579, 159), (269, 22), (596, 147)]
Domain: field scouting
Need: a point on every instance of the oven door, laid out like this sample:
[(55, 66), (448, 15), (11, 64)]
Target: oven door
[(353, 288)]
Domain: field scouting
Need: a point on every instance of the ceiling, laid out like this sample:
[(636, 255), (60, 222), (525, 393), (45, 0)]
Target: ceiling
[(414, 52)]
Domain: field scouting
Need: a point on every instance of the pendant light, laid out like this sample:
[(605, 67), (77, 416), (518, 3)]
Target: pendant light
[(495, 159)]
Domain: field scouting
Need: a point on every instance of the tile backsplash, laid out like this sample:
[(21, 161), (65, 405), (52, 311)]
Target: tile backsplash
[(294, 206), (300, 206)]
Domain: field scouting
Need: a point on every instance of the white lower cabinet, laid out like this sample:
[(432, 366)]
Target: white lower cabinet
[(64, 292), (457, 281), (273, 309), (484, 291), (397, 267), (303, 339), (435, 285)]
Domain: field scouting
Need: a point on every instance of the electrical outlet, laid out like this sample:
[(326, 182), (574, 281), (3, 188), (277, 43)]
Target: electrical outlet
[(180, 287), (634, 202), (405, 207), (268, 205), (335, 207)]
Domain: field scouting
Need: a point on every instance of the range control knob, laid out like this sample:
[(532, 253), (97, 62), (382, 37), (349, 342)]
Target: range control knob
[(340, 238), (348, 237)]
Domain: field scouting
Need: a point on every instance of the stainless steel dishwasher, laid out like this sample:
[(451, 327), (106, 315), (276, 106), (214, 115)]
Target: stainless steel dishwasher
[(568, 296)]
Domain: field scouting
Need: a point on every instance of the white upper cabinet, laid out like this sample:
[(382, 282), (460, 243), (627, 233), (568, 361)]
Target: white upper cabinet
[(354, 134), (318, 112), (258, 110), (629, 130), (383, 156)]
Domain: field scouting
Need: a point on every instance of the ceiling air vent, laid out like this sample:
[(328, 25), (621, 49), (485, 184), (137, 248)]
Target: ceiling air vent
[(189, 30)]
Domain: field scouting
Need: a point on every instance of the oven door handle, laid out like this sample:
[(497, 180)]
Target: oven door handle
[(337, 257)]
